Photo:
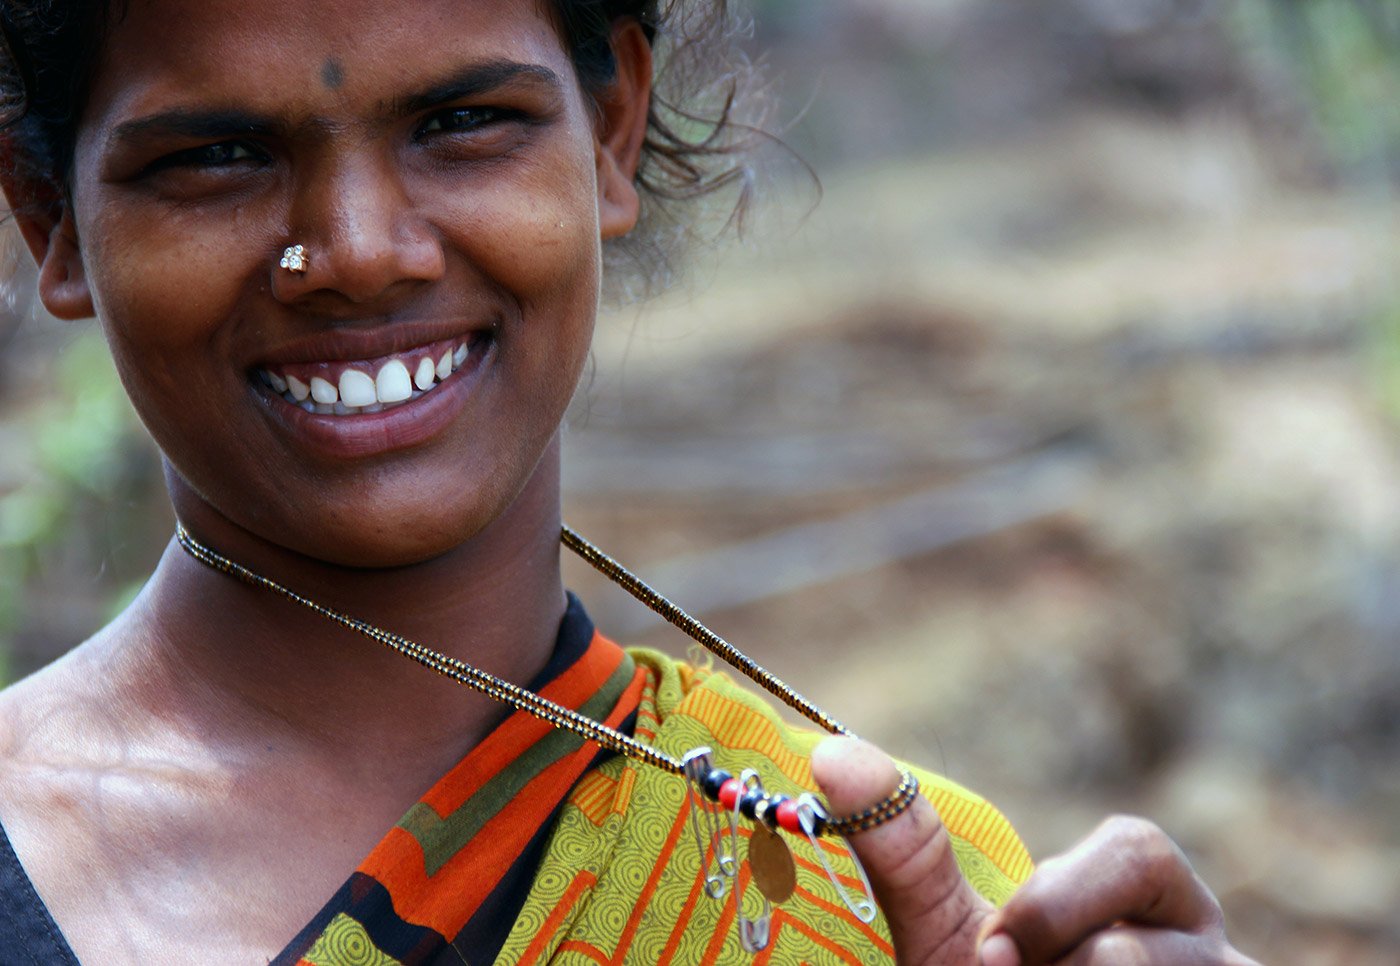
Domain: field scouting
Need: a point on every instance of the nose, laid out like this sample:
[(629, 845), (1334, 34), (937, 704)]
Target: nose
[(363, 240)]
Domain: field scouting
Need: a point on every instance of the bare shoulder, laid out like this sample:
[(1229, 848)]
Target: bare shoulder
[(46, 773), (42, 735), (104, 820), (140, 830)]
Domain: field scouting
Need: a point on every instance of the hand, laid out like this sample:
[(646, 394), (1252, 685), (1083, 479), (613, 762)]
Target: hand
[(1125, 895)]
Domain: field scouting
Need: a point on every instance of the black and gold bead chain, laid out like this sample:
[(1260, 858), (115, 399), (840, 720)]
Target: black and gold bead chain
[(568, 719)]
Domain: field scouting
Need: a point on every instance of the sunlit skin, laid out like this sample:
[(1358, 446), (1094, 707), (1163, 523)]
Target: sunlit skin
[(195, 781), (472, 213)]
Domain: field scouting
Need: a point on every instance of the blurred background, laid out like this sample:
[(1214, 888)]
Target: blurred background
[(1055, 447)]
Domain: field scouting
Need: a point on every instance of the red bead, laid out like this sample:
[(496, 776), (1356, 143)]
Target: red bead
[(729, 793), (787, 818)]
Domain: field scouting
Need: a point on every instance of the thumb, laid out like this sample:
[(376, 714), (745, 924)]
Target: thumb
[(933, 914)]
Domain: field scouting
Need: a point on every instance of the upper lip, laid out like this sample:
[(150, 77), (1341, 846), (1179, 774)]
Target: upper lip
[(346, 343)]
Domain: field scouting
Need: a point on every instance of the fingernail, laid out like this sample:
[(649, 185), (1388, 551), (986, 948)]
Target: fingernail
[(1000, 950)]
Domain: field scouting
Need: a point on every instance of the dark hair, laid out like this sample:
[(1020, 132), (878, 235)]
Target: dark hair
[(694, 145)]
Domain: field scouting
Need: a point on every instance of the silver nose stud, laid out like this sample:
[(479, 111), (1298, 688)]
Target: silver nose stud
[(295, 259)]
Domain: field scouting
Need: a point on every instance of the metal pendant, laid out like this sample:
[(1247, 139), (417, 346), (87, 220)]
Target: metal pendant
[(771, 864)]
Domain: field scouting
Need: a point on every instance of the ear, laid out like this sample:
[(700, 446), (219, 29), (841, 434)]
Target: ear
[(45, 220), (622, 129)]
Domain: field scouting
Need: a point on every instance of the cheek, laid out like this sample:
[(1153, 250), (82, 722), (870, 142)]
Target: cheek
[(540, 243), (164, 285), (544, 234)]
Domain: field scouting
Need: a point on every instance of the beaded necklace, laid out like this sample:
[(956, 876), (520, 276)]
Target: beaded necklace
[(717, 800)]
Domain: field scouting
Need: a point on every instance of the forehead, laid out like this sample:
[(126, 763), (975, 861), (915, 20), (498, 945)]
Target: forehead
[(274, 50)]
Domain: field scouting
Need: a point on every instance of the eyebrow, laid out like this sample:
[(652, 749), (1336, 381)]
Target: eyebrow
[(471, 81), (192, 124), (479, 79)]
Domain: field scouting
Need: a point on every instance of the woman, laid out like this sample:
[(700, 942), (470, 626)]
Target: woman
[(347, 257)]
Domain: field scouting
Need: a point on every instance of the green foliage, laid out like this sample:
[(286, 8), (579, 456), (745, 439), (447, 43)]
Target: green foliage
[(70, 454), (1346, 57)]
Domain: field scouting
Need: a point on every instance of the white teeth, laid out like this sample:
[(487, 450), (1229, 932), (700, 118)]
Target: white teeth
[(393, 384), (299, 390), (425, 375), (356, 391), (356, 388)]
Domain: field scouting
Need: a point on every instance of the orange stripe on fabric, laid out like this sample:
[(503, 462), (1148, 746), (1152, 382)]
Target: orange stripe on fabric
[(673, 942), (521, 730), (624, 939), (453, 895), (850, 881), (743, 730), (982, 825), (625, 788), (840, 951), (775, 928), (846, 879), (837, 909), (722, 928), (594, 796), (586, 949), (445, 901), (581, 884)]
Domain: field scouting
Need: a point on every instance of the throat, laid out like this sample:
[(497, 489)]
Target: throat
[(242, 662)]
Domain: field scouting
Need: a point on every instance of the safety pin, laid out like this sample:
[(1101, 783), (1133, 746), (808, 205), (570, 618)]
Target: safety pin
[(809, 811), (696, 765)]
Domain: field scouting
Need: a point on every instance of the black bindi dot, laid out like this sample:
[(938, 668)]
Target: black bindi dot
[(332, 74)]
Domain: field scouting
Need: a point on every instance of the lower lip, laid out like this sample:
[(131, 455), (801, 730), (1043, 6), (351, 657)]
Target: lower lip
[(363, 435)]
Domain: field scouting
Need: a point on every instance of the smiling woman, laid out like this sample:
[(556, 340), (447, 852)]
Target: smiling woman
[(347, 256)]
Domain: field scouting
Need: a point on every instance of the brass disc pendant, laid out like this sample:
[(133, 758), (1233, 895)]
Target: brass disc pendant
[(770, 861)]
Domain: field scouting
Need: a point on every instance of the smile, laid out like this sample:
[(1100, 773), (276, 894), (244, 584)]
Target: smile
[(364, 386)]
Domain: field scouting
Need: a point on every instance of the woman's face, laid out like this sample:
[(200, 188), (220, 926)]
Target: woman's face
[(445, 173)]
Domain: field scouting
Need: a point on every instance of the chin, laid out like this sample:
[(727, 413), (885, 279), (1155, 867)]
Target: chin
[(380, 540)]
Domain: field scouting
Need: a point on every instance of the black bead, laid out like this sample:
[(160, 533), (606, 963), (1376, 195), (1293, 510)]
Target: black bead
[(770, 817), (749, 800), (711, 783)]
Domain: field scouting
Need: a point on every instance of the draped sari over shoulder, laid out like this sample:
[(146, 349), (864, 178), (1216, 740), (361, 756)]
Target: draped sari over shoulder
[(538, 847)]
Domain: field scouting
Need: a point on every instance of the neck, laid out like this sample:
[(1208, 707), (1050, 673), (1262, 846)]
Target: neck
[(275, 671)]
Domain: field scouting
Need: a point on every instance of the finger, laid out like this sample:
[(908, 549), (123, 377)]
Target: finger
[(933, 914), (1128, 870), (1144, 946)]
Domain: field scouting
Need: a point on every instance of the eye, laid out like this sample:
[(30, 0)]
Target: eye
[(217, 155), (460, 120)]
